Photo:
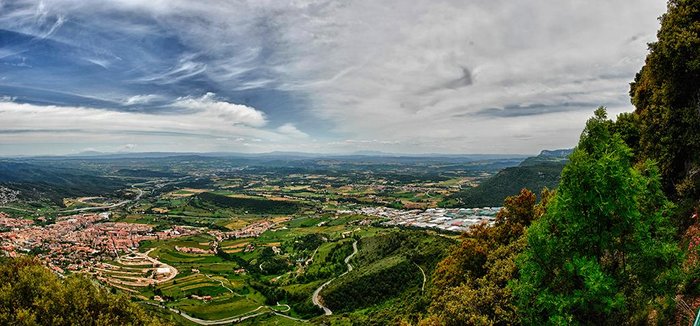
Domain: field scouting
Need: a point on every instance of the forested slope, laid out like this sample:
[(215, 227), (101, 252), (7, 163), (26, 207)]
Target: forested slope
[(534, 173)]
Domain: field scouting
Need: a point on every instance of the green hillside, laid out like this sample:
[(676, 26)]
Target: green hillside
[(533, 173)]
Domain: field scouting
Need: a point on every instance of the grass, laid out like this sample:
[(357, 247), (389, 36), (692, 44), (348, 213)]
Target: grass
[(218, 308), (201, 285), (235, 223), (303, 289), (321, 258)]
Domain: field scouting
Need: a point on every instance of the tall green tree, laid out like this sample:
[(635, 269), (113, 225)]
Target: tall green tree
[(603, 253), (666, 94)]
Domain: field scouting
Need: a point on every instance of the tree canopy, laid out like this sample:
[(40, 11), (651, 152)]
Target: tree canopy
[(30, 294), (603, 253), (666, 94), (470, 285)]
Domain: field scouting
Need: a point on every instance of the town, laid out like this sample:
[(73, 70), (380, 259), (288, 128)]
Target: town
[(445, 219)]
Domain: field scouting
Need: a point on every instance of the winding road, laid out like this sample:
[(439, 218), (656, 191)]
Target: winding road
[(316, 298), (422, 288), (119, 204), (222, 285), (234, 319)]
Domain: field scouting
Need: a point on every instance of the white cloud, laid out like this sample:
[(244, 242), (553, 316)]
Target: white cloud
[(209, 107), (206, 120), (292, 131), (388, 70), (127, 148), (425, 76), (143, 99)]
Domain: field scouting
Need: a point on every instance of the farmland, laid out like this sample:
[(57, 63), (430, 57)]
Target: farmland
[(213, 240)]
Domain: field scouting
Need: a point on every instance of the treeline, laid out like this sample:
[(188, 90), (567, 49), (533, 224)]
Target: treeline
[(534, 173), (247, 205), (599, 251), (145, 173), (32, 295)]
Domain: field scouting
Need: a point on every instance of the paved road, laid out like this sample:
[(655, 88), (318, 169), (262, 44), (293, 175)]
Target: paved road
[(422, 289), (119, 204), (316, 298), (229, 320)]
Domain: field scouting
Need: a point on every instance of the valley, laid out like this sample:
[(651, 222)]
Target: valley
[(211, 241)]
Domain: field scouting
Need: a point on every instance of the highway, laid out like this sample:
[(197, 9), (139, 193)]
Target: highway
[(119, 204)]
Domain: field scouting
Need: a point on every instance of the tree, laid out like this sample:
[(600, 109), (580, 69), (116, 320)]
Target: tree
[(470, 285), (32, 295), (603, 253), (666, 94)]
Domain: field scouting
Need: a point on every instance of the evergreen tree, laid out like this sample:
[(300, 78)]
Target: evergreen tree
[(666, 93), (603, 252)]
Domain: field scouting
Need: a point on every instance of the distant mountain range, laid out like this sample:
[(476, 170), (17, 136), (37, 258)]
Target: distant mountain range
[(533, 173), (277, 154)]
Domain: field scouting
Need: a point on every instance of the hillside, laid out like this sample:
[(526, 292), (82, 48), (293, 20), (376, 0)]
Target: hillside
[(533, 173), (33, 295), (37, 181), (387, 283)]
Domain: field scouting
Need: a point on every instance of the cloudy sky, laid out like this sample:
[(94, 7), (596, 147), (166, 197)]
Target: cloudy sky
[(420, 76)]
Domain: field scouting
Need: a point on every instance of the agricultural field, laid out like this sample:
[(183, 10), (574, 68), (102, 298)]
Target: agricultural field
[(264, 243)]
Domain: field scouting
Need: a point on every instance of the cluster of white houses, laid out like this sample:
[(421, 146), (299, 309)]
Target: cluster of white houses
[(447, 219)]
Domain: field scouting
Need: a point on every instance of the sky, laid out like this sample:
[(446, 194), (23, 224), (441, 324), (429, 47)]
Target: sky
[(319, 76)]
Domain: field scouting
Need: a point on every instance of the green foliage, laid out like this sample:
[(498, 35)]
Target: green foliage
[(328, 265), (32, 295), (423, 249), (535, 173), (234, 258), (371, 285), (248, 205), (385, 286), (309, 242), (603, 252), (470, 285), (666, 93), (41, 180), (271, 264)]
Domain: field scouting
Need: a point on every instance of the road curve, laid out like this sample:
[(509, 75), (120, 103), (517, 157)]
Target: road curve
[(316, 298), (422, 289), (96, 208), (229, 320)]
